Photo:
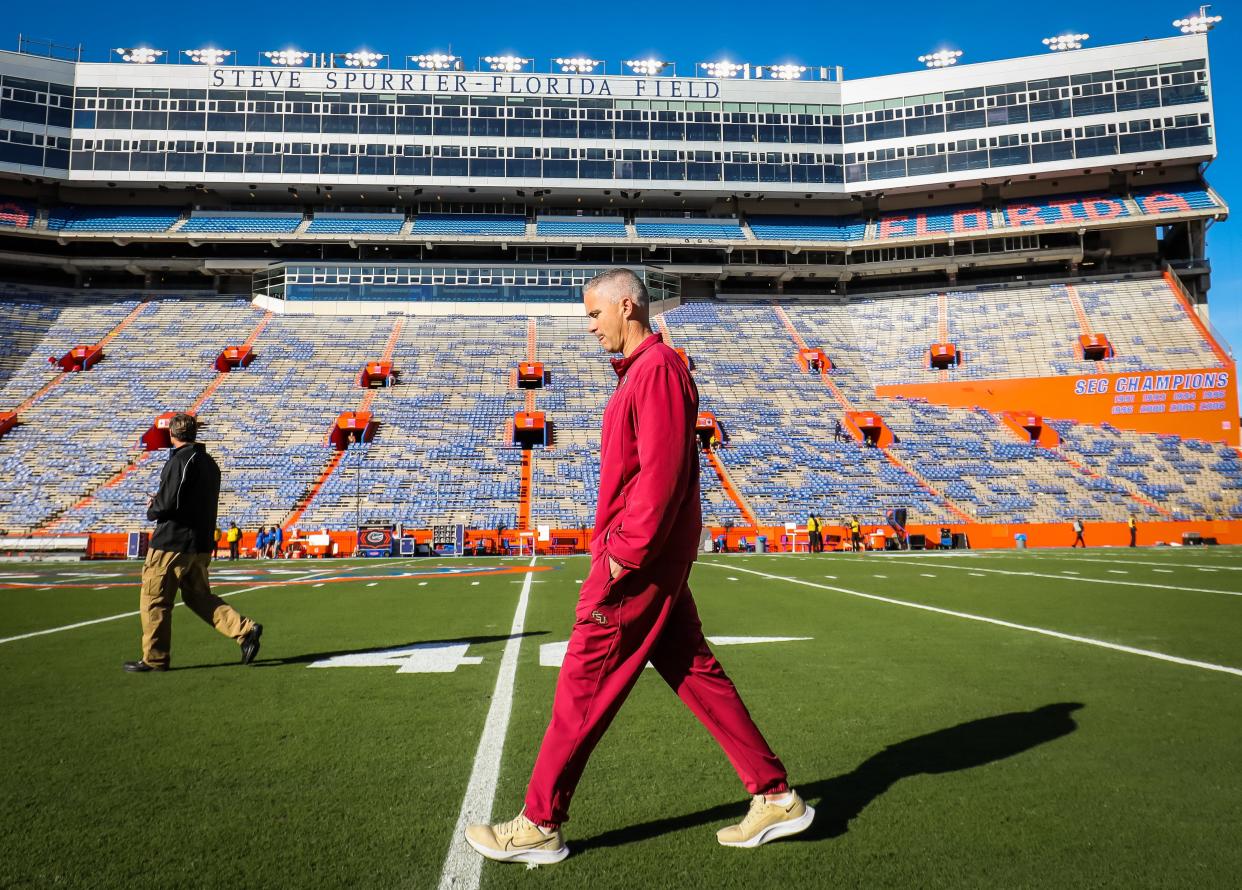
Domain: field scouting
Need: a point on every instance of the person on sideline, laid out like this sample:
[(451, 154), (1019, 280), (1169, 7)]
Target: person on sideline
[(233, 536), (812, 533), (1078, 530), (856, 542), (635, 606), (184, 512), (1132, 524)]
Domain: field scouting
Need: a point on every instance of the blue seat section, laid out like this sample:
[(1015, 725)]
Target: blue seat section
[(1030, 331), (1064, 210), (807, 228), (468, 224), (1174, 198), (344, 224), (17, 214), (221, 223), (713, 230), (443, 453), (111, 219), (584, 226)]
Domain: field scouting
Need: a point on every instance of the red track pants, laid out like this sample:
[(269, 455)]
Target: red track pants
[(644, 615)]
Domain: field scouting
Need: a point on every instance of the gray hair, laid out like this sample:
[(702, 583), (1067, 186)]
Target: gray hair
[(622, 283)]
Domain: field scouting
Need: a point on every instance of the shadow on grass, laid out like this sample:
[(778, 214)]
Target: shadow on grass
[(839, 799), (309, 657)]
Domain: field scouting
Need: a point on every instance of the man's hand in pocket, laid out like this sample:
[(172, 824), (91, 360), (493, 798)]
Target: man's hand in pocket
[(614, 568)]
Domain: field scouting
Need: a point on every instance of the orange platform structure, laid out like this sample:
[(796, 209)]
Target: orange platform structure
[(531, 375), (232, 357), (79, 358), (1030, 427), (1094, 347), (378, 373), (8, 420), (156, 436), (869, 427), (942, 356), (351, 426), (685, 357), (706, 426), (810, 360), (531, 428)]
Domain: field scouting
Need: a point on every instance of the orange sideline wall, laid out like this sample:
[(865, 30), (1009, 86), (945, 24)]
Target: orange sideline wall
[(982, 536), (1197, 404)]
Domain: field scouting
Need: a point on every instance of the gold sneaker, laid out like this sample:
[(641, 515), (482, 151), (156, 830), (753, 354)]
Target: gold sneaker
[(518, 840), (767, 821)]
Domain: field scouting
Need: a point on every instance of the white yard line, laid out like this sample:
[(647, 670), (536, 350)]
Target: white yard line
[(1091, 580), (463, 866), (1103, 644), (53, 630), (1116, 562)]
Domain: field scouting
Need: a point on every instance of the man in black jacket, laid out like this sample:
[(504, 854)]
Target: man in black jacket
[(184, 512)]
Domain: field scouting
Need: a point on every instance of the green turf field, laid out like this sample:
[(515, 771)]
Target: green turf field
[(1020, 731)]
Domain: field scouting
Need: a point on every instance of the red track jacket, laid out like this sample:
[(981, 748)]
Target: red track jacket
[(648, 508)]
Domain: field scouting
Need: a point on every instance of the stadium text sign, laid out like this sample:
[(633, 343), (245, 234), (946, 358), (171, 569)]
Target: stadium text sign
[(1199, 403), (464, 84)]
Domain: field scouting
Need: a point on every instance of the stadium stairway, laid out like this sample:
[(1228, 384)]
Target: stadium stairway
[(334, 460), (712, 457)]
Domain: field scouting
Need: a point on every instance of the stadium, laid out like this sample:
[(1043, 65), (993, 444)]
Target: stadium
[(965, 307)]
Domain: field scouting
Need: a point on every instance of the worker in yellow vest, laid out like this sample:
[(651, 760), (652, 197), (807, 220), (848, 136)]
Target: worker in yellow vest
[(233, 536), (812, 534), (855, 535)]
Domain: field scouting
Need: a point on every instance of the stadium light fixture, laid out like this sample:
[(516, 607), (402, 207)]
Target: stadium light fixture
[(646, 67), (506, 63), (1063, 42), (436, 61), (724, 69), (139, 55), (941, 58), (781, 72), (1198, 24), (287, 58), (362, 58), (208, 56), (577, 65)]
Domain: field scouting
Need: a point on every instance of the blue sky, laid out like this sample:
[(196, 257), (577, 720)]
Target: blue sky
[(815, 33)]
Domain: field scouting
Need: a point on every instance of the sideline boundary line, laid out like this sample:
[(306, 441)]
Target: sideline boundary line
[(462, 865), (975, 568), (88, 623), (1073, 638)]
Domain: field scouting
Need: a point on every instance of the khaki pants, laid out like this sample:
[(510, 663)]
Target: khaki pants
[(162, 574)]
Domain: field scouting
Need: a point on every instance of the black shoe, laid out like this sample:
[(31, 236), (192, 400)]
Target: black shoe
[(250, 643), (141, 667)]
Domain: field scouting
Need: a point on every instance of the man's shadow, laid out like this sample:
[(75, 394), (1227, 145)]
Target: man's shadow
[(839, 799), (308, 657)]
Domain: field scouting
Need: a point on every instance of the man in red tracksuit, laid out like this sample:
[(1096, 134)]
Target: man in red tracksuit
[(635, 605)]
